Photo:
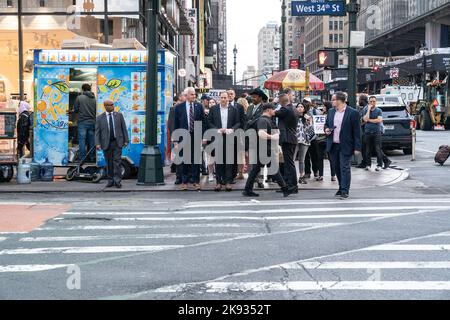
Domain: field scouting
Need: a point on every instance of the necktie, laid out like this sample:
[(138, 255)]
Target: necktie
[(191, 118), (111, 128)]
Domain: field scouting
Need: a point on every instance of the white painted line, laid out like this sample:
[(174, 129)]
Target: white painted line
[(12, 233), (409, 247), (306, 225), (227, 287), (143, 236), (209, 218), (208, 204), (31, 268), (132, 227), (248, 211), (3, 238), (81, 250), (425, 150), (368, 265)]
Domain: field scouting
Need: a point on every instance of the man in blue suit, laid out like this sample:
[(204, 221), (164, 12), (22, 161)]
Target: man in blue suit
[(185, 116), (344, 140)]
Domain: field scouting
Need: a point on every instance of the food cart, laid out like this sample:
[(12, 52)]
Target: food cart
[(119, 75), (8, 144)]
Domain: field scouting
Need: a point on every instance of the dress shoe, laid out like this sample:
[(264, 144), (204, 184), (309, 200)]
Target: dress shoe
[(260, 185), (287, 191), (218, 188), (118, 185), (344, 196), (338, 194), (177, 182), (228, 188), (184, 187), (110, 184), (250, 194), (387, 164), (197, 187)]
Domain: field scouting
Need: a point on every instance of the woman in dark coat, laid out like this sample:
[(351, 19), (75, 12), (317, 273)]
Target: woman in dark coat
[(23, 128)]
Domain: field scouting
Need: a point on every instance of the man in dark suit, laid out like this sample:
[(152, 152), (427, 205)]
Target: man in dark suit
[(171, 127), (226, 120), (185, 116), (111, 135), (287, 123), (243, 120), (344, 140)]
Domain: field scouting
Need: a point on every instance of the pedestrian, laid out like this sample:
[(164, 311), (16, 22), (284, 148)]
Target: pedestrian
[(177, 169), (267, 134), (322, 148), (212, 103), (23, 128), (238, 169), (311, 160), (254, 112), (244, 160), (226, 119), (86, 107), (208, 159), (303, 140), (344, 140), (373, 118), (185, 117), (287, 123), (111, 135), (205, 101)]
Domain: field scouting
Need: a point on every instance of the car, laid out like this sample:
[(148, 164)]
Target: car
[(398, 124)]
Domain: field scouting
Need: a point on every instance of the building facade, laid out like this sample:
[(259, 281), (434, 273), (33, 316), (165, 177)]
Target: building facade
[(269, 45), (250, 77)]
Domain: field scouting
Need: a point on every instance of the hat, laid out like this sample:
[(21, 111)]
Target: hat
[(307, 99), (260, 93), (268, 106), (205, 97)]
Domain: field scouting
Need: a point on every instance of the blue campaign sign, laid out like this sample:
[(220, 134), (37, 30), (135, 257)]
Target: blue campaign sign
[(318, 8)]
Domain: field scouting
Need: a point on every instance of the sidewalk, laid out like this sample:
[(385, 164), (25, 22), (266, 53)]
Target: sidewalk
[(361, 179)]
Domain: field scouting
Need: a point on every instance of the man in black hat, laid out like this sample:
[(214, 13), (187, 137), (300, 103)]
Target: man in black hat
[(267, 134)]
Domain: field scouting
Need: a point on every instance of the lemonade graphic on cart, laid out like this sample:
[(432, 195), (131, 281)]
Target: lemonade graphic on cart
[(118, 75)]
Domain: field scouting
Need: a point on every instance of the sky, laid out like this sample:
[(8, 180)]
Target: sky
[(244, 20)]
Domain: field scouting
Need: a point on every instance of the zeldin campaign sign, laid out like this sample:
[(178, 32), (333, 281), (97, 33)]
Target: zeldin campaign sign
[(318, 8)]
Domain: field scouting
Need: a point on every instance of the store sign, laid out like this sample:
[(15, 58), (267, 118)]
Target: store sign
[(394, 73), (318, 8), (97, 57), (193, 43)]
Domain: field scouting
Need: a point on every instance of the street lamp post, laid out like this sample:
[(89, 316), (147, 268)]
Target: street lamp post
[(352, 9), (235, 51), (283, 35), (151, 166)]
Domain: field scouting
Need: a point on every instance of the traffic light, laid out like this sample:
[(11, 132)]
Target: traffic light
[(376, 68), (328, 59)]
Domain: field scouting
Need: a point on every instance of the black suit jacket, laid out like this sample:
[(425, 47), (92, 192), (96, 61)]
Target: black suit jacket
[(242, 114), (215, 119), (181, 116), (288, 121), (350, 136)]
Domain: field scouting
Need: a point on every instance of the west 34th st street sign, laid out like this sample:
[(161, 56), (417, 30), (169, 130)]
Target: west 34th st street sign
[(318, 8)]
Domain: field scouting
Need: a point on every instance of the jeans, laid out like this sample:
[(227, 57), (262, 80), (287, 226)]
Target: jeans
[(86, 130), (372, 140), (342, 164), (302, 151), (254, 173)]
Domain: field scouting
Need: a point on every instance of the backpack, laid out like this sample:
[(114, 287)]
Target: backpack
[(442, 155)]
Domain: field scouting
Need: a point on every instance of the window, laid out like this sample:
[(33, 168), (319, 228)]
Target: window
[(331, 25), (336, 38), (335, 25), (341, 25), (331, 37), (341, 38)]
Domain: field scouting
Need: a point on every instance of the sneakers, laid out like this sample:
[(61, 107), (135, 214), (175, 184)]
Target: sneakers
[(319, 179), (250, 194), (344, 196), (367, 168), (211, 178), (333, 179), (338, 194), (378, 169), (302, 180)]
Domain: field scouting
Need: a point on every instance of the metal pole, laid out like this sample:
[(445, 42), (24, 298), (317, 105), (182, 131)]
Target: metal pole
[(414, 135), (283, 35), (151, 166), (20, 49), (106, 24), (352, 9)]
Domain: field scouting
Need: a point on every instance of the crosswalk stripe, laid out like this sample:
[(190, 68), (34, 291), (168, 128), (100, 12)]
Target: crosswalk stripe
[(367, 265), (221, 204), (143, 236), (246, 211), (81, 250), (409, 247), (31, 268), (226, 287), (271, 218), (132, 227)]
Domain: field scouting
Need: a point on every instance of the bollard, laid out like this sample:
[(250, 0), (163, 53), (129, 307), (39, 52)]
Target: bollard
[(413, 144)]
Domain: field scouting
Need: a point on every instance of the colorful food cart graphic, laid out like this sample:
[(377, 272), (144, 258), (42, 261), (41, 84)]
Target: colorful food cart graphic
[(51, 119), (120, 76)]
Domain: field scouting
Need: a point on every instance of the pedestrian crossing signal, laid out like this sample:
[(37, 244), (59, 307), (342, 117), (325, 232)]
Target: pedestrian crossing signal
[(328, 59)]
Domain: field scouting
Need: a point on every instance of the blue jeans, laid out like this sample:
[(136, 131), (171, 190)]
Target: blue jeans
[(343, 166), (86, 130)]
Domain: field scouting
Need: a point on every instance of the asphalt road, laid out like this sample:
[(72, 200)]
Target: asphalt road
[(388, 242)]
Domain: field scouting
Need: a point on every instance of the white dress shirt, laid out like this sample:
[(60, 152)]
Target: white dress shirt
[(224, 116)]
